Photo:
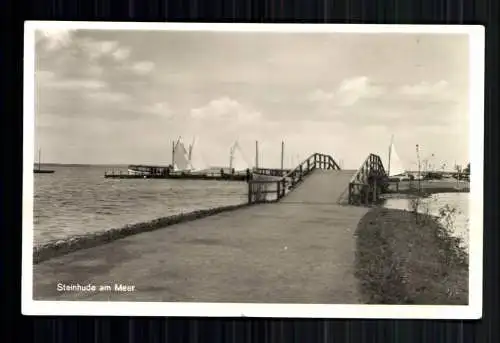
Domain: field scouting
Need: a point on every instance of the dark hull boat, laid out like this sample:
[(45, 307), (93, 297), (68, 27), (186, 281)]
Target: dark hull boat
[(43, 171)]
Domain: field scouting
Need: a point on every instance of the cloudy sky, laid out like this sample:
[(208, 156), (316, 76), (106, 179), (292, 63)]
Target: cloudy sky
[(110, 97)]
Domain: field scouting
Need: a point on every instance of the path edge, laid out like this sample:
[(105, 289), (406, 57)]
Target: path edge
[(71, 244)]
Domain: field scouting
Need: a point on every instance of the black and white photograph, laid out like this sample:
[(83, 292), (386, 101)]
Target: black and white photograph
[(262, 170)]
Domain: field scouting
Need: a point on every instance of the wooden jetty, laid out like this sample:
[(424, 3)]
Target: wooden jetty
[(179, 176), (157, 172), (293, 243)]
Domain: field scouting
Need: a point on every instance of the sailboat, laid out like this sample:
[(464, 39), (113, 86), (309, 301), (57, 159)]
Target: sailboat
[(394, 165), (196, 163), (237, 159), (180, 163), (38, 169), (181, 157)]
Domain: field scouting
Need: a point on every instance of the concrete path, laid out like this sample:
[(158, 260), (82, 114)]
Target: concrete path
[(300, 250), (321, 187)]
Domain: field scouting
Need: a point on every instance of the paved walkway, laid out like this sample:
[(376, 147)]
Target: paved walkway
[(322, 187), (300, 250)]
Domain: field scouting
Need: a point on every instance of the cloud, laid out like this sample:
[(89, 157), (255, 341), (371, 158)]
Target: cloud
[(321, 95), (424, 88), (54, 39), (360, 101), (221, 121), (352, 90), (349, 92), (160, 108), (106, 96), (226, 109), (98, 49), (75, 84), (74, 54), (121, 54), (77, 75), (142, 67)]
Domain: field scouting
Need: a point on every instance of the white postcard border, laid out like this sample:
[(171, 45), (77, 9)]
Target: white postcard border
[(154, 309)]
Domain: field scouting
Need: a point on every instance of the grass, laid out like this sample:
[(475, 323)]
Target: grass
[(401, 260)]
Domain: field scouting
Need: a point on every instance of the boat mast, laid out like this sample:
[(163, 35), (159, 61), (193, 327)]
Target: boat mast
[(191, 149), (231, 155), (39, 158), (389, 161), (256, 154), (173, 153), (282, 154)]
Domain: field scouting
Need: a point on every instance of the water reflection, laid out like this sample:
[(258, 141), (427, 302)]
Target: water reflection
[(431, 205)]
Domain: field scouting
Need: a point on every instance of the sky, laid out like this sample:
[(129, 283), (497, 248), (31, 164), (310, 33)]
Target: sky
[(122, 97)]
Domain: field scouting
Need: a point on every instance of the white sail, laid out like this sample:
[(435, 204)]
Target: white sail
[(395, 164), (196, 161), (238, 161), (181, 156)]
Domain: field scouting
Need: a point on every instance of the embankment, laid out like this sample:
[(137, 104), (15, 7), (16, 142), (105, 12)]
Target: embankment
[(60, 247), (428, 191), (404, 259), (426, 188)]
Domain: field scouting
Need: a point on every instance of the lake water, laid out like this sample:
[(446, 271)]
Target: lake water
[(78, 200), (460, 201)]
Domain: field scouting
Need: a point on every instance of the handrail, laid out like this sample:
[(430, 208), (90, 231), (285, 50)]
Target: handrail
[(367, 180), (258, 189)]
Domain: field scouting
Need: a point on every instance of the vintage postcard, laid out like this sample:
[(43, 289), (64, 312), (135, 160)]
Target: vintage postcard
[(255, 170)]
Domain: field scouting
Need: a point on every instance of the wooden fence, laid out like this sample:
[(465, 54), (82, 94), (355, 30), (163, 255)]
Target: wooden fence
[(368, 183)]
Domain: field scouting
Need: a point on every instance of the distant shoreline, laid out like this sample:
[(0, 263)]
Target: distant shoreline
[(426, 188), (84, 165)]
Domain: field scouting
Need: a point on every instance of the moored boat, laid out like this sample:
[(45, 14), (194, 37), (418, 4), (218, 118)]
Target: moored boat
[(38, 169)]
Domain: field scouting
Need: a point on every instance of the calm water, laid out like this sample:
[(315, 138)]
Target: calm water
[(460, 201), (79, 200)]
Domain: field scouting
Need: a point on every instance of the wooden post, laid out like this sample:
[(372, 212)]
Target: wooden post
[(308, 165), (349, 201), (278, 190), (375, 189), (249, 192), (256, 154), (282, 154), (300, 174)]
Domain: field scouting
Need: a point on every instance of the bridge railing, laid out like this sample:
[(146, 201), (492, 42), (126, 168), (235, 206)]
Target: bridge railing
[(269, 188), (366, 185)]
